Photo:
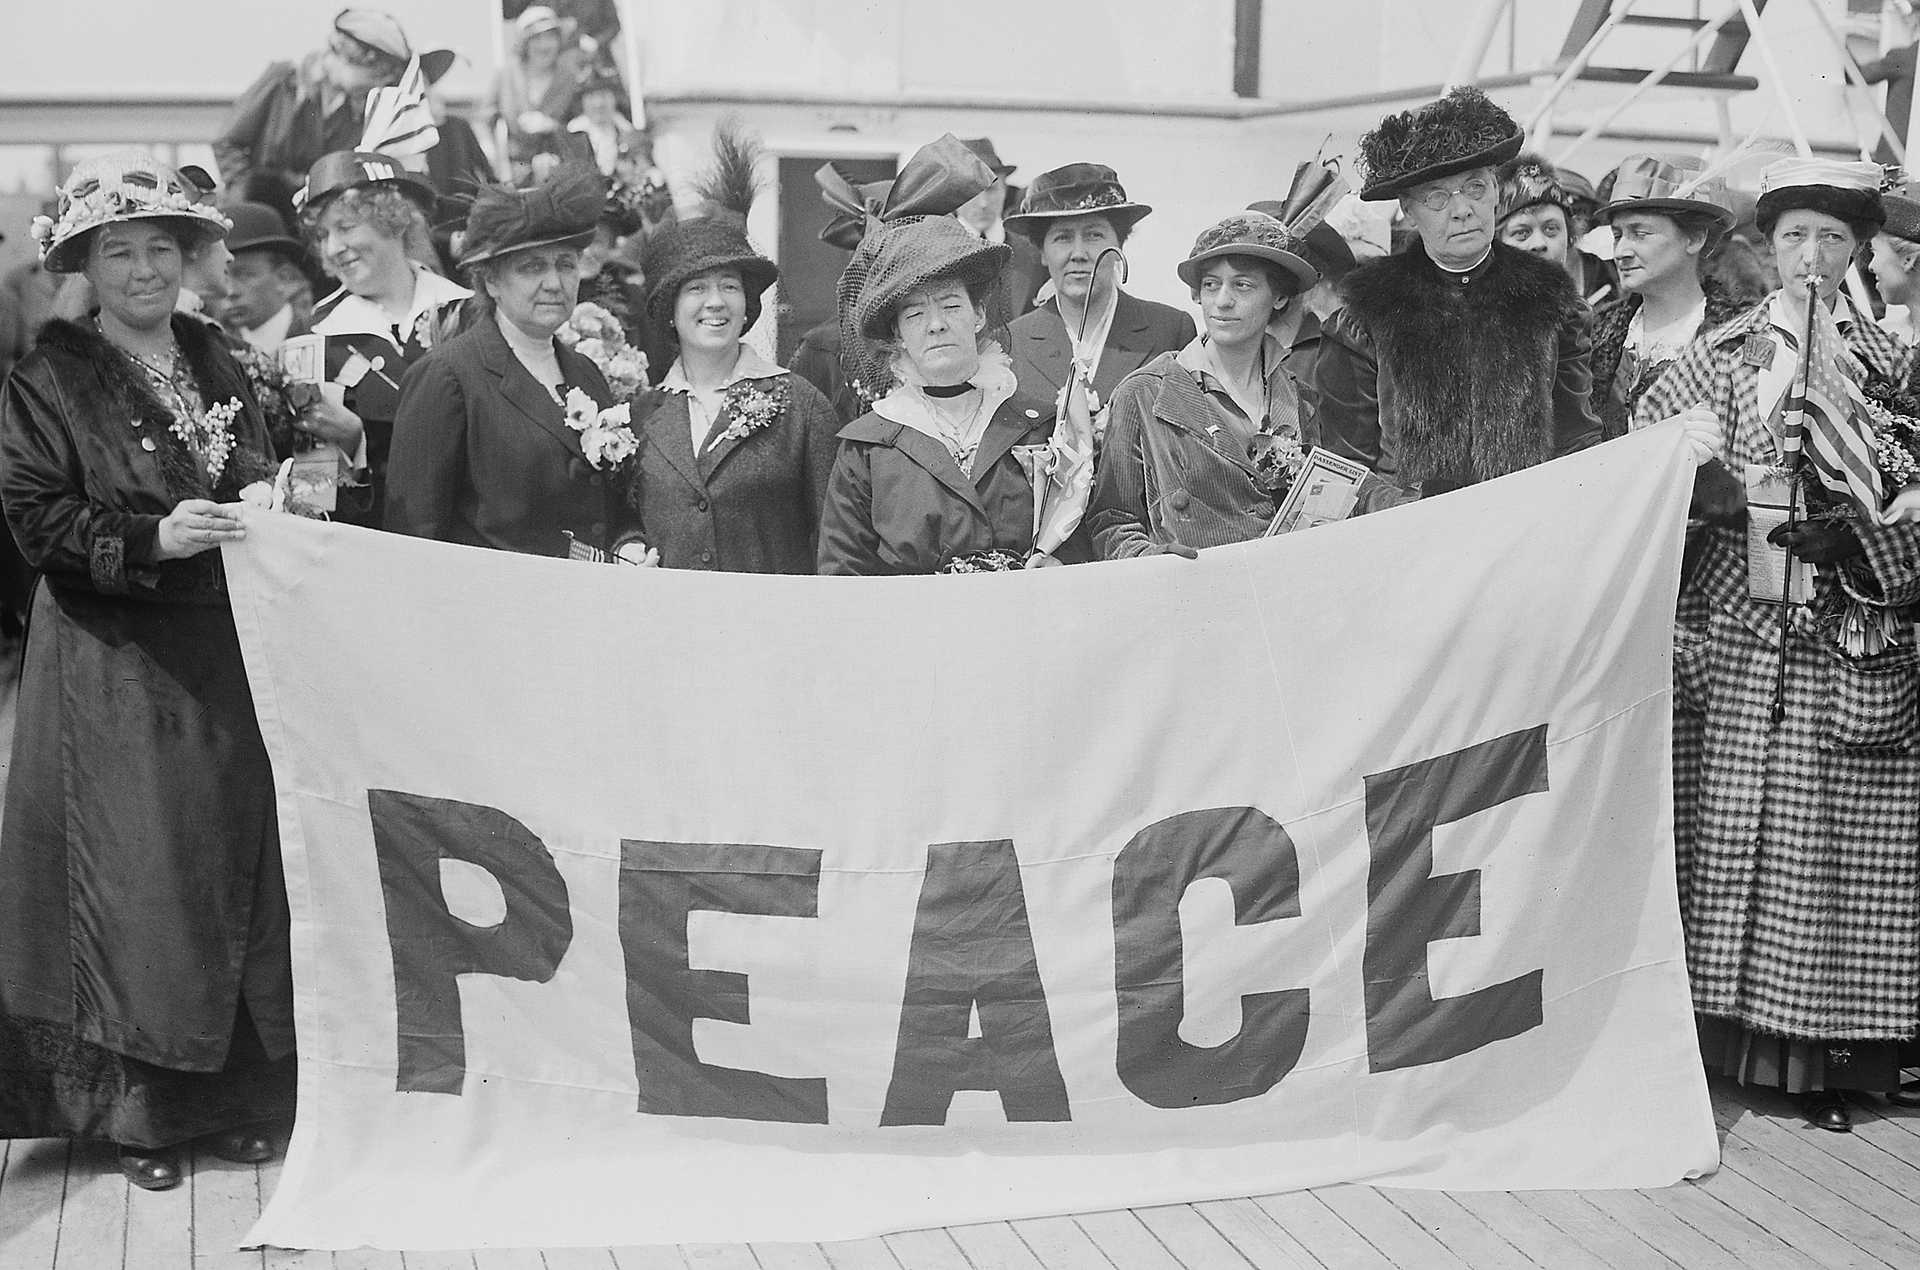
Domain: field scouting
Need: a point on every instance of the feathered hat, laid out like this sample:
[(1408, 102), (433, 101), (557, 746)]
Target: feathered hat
[(911, 239), (561, 211), (399, 127), (1676, 185), (1317, 187), (1528, 180), (1460, 132), (716, 239)]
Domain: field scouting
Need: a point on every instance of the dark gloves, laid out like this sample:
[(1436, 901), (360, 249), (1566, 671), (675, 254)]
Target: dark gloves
[(1818, 541), (1719, 497)]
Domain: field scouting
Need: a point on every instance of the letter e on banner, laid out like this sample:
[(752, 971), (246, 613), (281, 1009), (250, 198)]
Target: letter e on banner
[(432, 948), (660, 884), (1407, 907), (973, 946), (1256, 857)]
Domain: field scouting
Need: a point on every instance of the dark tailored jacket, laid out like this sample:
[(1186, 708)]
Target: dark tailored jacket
[(1141, 330), (277, 128), (141, 898), (482, 454), (1438, 380), (1165, 477), (817, 360), (749, 505), (898, 503)]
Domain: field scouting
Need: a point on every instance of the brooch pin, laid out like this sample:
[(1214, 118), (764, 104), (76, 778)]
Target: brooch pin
[(1757, 351)]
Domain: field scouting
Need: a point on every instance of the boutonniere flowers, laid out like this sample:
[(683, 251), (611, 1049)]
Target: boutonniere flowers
[(755, 404), (606, 436), (209, 436)]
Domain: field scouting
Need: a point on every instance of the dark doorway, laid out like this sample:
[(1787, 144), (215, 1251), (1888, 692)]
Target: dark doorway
[(809, 268)]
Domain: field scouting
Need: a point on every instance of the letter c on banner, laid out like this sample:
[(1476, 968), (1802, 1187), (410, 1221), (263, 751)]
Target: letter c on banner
[(1407, 907), (1256, 857), (432, 948)]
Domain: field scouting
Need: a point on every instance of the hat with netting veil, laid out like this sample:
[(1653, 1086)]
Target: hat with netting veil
[(716, 239), (912, 240), (127, 186)]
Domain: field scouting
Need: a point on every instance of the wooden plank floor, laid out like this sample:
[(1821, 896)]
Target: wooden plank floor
[(1786, 1195)]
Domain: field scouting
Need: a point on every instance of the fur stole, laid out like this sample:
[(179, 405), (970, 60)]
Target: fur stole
[(1611, 320), (1466, 372), (128, 396)]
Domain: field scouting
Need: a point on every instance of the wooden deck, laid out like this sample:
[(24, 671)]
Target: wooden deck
[(1786, 1194)]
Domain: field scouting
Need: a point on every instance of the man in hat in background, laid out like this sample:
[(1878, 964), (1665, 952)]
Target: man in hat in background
[(985, 215), (295, 113), (264, 278), (1462, 358)]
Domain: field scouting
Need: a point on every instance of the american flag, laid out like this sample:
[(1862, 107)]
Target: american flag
[(1830, 423), (399, 121)]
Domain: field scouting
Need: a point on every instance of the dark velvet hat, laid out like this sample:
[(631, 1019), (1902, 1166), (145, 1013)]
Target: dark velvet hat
[(686, 249), (1845, 190), (257, 227), (1078, 189), (333, 174), (562, 211), (1460, 132)]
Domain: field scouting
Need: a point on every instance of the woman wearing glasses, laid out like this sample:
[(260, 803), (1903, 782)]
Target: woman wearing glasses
[(1461, 359)]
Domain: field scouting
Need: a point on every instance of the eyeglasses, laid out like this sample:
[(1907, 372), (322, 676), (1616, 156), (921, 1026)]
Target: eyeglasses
[(1439, 199)]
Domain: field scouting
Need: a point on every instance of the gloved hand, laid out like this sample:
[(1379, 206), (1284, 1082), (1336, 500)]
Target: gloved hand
[(1719, 497), (1818, 541), (1904, 507)]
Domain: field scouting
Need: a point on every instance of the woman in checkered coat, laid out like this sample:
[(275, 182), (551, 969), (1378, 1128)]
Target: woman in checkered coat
[(1798, 843)]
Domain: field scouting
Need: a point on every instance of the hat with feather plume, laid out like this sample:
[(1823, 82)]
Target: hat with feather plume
[(1460, 132), (715, 239)]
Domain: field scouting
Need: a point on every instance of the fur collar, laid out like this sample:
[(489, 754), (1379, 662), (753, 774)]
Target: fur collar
[(1466, 371), (129, 397), (1611, 320)]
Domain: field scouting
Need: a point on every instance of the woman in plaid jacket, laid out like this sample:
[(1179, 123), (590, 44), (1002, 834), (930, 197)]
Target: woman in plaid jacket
[(1798, 842)]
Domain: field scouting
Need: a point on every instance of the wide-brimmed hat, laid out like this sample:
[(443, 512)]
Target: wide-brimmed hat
[(1078, 189), (562, 211), (334, 174), (982, 147), (127, 186), (1528, 180), (257, 227), (535, 19), (1848, 191), (685, 249), (380, 34), (907, 256), (1670, 184), (1253, 234), (1323, 246), (1460, 132)]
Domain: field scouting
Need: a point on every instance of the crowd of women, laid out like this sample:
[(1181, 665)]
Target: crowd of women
[(144, 987)]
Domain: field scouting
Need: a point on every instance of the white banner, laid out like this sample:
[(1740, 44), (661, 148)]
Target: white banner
[(637, 906)]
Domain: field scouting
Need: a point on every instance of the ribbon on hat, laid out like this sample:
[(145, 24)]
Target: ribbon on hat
[(940, 178), (1836, 173), (399, 121)]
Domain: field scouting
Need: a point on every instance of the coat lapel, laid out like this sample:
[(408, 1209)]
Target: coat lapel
[(933, 456), (781, 390), (1048, 349), (1008, 428), (1129, 342), (523, 391), (668, 433)]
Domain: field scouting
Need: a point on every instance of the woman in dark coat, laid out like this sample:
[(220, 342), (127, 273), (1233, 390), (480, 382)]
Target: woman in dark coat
[(735, 451), (499, 441), (145, 991), (932, 477)]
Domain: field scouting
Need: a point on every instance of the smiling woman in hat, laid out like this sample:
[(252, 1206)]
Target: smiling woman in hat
[(1079, 218), (1797, 826), (1666, 221), (1201, 442), (145, 995), (366, 217), (735, 451), (499, 442), (929, 477), (1461, 359)]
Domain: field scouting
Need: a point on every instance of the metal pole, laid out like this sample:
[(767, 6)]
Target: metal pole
[(1466, 65), (1761, 42), (1543, 113), (1640, 89), (630, 37), (1794, 456), (1859, 77)]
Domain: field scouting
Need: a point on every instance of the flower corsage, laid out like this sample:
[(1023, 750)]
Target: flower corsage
[(209, 436), (606, 436), (753, 404)]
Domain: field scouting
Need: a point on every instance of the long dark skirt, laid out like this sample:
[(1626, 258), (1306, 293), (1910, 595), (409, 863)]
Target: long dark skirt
[(55, 1085), (1797, 1066)]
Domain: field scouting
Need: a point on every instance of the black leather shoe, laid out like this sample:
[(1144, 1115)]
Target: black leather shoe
[(151, 1169), (242, 1146), (1827, 1109), (1908, 1095)]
